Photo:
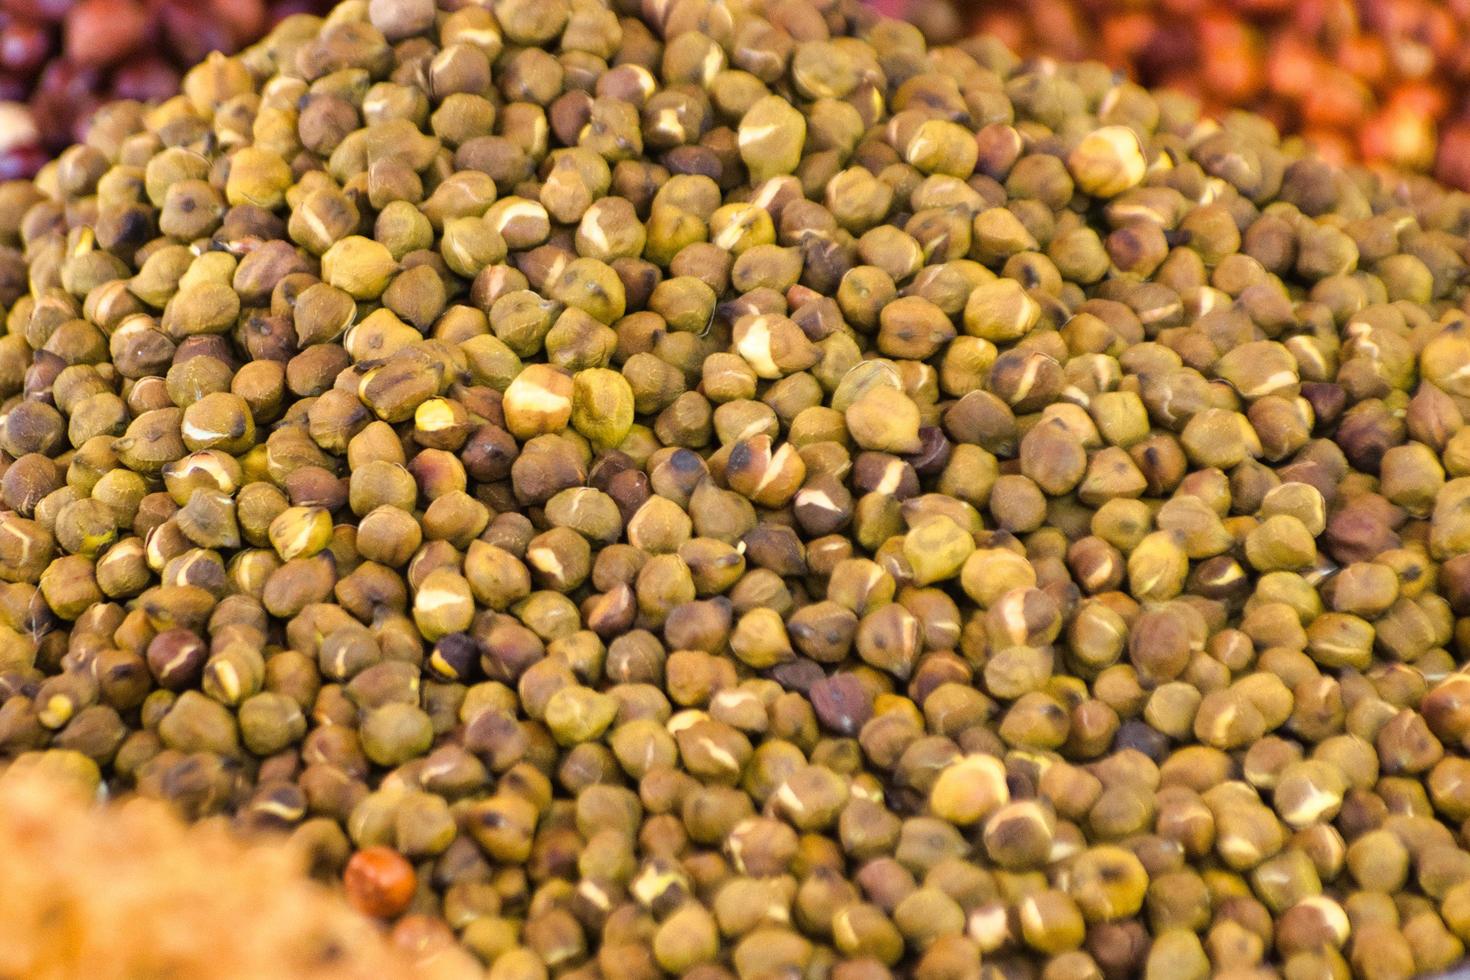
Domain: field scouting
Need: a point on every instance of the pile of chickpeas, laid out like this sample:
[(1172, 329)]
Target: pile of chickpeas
[(727, 489)]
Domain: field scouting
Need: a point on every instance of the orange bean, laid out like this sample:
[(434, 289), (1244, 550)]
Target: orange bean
[(379, 882)]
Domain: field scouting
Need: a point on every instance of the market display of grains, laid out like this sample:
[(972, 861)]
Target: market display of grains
[(1377, 80), (720, 489)]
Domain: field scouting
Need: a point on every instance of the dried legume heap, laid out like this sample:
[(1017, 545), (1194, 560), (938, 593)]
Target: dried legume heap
[(725, 490)]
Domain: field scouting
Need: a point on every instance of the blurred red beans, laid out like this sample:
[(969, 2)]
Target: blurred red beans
[(1376, 80), (24, 46), (103, 32)]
